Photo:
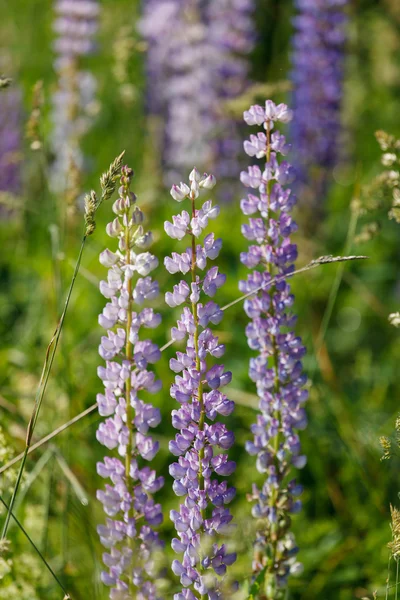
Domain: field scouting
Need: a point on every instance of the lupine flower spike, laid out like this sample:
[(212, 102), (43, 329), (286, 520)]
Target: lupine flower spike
[(132, 513), (317, 75), (277, 368), (74, 103), (203, 513), (196, 61)]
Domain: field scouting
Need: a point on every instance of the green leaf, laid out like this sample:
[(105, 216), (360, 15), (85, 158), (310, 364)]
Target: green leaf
[(256, 586)]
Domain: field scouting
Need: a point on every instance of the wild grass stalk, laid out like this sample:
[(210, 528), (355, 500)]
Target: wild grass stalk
[(354, 216)]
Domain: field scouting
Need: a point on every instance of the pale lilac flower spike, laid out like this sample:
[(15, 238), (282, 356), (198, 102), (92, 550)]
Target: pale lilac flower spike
[(277, 369), (128, 501), (74, 101), (197, 60), (201, 443)]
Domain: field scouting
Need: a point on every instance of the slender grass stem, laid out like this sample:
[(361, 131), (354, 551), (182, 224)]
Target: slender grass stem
[(337, 281), (388, 579), (128, 385), (49, 437), (196, 349)]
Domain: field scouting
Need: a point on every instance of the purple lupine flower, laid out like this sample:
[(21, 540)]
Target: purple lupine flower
[(277, 368), (10, 140), (197, 60), (201, 441), (317, 75), (231, 31), (74, 102), (128, 500), (76, 24)]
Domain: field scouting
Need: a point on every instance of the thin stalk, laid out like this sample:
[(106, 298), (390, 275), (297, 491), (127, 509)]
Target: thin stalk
[(48, 363), (49, 437), (338, 280), (397, 579), (128, 382), (196, 349), (322, 260), (39, 466), (388, 579), (46, 522), (48, 567), (270, 571), (128, 356), (73, 480)]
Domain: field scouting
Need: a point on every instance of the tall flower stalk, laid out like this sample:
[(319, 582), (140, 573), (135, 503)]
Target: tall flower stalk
[(201, 443), (317, 74), (128, 500), (74, 102), (277, 368)]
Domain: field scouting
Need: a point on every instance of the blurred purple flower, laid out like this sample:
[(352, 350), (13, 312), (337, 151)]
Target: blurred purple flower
[(76, 24), (128, 501), (74, 105), (277, 368), (10, 140), (317, 75), (197, 60), (197, 389)]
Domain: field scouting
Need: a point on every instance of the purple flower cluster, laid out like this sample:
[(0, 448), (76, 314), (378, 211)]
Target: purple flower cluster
[(231, 32), (195, 62), (128, 501), (201, 443), (76, 24), (317, 75), (10, 140), (74, 104), (277, 368)]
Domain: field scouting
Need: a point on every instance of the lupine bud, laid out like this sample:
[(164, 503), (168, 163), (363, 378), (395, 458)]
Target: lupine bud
[(114, 228), (128, 534), (277, 369), (208, 182), (200, 438)]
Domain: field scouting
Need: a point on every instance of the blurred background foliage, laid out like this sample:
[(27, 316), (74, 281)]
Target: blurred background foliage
[(352, 361)]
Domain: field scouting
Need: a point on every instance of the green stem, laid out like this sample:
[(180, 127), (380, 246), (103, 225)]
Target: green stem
[(388, 578), (268, 572), (128, 385), (47, 366), (275, 357), (337, 281), (196, 349)]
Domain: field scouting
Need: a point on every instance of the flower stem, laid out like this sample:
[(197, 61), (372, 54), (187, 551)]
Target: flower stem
[(196, 349), (271, 580), (128, 386)]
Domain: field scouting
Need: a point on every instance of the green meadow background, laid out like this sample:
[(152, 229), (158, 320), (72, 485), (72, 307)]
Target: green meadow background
[(353, 353)]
